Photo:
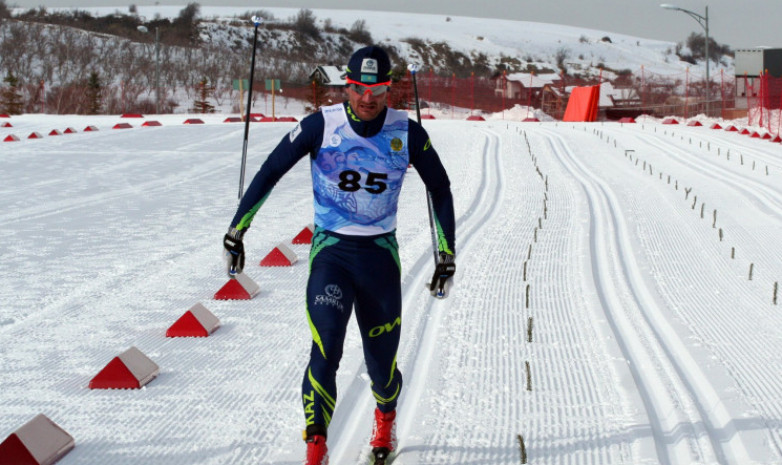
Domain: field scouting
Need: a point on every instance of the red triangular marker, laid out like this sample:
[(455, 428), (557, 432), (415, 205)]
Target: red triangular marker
[(115, 375), (232, 291), (40, 441), (14, 452), (187, 326), (198, 321), (277, 258), (304, 236), (241, 287)]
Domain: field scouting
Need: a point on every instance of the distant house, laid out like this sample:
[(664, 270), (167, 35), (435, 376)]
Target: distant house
[(330, 82), (525, 85), (542, 91), (611, 96), (329, 76), (553, 100)]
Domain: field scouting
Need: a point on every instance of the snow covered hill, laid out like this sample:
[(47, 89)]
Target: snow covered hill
[(519, 44), (614, 299)]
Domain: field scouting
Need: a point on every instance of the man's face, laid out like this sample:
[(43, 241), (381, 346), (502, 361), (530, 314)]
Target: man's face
[(366, 102)]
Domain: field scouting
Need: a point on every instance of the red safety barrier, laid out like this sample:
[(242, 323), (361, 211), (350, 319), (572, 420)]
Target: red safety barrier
[(582, 105)]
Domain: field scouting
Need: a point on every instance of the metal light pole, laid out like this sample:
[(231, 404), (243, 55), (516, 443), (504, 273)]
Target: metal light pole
[(157, 68), (157, 65), (704, 22)]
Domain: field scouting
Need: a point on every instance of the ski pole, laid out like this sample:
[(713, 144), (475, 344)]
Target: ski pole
[(257, 22), (413, 68)]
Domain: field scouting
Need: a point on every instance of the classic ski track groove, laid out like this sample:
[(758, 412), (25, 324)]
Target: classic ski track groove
[(760, 190), (763, 196), (648, 338), (745, 361), (760, 150)]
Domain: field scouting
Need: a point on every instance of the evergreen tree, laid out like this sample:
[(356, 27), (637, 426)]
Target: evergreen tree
[(202, 105), (93, 94), (10, 97), (185, 26), (5, 12)]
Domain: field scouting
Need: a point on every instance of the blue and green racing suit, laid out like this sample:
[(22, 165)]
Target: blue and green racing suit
[(357, 172)]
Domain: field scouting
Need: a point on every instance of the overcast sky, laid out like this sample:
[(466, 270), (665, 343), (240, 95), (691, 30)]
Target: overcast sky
[(737, 23)]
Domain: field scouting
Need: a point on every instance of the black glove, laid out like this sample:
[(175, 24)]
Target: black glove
[(234, 252), (443, 276)]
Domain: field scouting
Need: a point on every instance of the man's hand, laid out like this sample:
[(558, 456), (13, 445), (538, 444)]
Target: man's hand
[(234, 252), (443, 276)]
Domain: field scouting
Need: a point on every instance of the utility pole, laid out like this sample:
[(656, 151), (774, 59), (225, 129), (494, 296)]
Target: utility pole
[(703, 20)]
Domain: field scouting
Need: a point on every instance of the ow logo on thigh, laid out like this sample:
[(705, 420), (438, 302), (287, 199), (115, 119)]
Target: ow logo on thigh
[(386, 328)]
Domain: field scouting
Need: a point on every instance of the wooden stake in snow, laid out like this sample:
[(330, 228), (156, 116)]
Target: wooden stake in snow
[(529, 329), (529, 376), (522, 449)]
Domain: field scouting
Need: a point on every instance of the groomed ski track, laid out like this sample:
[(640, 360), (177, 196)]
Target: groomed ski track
[(582, 254)]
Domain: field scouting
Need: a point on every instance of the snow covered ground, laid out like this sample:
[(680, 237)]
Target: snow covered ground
[(604, 309)]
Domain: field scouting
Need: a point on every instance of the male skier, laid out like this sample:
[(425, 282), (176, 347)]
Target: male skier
[(359, 153)]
